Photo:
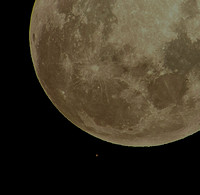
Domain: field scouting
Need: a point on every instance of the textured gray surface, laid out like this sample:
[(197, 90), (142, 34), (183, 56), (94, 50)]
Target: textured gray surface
[(127, 72)]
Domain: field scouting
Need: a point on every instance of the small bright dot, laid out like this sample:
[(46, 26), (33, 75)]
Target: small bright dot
[(95, 68)]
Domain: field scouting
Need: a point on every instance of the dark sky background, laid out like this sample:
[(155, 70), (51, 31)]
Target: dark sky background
[(49, 137)]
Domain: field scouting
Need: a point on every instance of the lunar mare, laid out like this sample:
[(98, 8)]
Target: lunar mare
[(127, 72)]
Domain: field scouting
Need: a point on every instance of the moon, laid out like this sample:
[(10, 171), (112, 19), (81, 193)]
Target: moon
[(126, 72)]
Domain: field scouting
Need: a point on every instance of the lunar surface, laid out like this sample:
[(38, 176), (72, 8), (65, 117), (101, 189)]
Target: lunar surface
[(127, 72)]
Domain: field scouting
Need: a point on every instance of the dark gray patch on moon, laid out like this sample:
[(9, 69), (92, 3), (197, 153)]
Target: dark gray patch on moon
[(181, 54), (167, 89), (190, 8), (33, 37)]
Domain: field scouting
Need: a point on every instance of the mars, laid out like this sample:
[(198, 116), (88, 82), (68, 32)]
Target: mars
[(127, 72)]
